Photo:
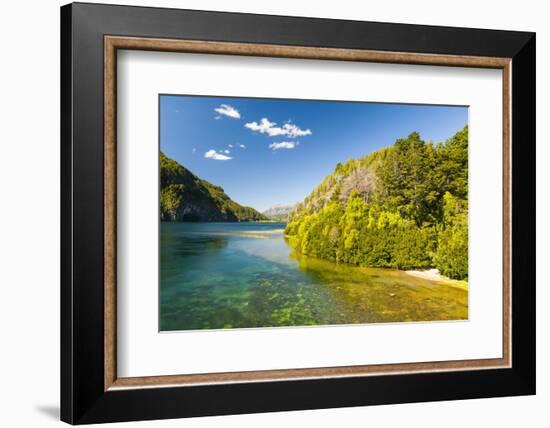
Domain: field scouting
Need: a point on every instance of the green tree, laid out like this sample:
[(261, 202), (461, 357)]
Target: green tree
[(404, 206), (408, 180), (171, 198), (451, 257)]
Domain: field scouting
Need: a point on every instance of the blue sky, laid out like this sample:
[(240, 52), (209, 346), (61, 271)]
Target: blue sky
[(265, 152)]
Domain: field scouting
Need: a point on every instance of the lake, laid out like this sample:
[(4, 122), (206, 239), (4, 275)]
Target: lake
[(242, 275)]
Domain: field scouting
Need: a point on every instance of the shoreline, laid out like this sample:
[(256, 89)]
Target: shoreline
[(434, 275)]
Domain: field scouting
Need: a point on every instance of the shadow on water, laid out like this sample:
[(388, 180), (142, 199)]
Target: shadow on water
[(242, 275), (195, 246)]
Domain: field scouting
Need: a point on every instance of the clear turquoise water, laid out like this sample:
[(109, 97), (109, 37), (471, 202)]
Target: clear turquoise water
[(242, 275)]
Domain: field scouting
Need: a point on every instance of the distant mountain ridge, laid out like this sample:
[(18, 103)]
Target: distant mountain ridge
[(279, 212), (186, 197)]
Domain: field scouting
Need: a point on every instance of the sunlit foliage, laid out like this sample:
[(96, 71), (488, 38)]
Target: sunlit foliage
[(405, 206)]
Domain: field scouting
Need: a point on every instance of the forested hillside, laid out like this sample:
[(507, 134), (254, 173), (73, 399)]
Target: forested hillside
[(186, 197), (404, 206)]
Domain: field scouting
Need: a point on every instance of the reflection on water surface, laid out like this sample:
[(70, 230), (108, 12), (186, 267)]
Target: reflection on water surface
[(241, 275)]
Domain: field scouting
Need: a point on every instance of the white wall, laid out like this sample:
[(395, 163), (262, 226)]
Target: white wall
[(29, 216)]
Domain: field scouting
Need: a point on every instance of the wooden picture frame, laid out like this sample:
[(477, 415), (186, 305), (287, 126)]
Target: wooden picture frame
[(91, 390)]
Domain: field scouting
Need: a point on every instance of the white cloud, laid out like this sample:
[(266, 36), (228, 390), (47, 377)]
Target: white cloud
[(213, 154), (288, 129), (265, 126), (242, 146), (230, 146), (226, 151), (283, 145), (294, 131), (229, 111)]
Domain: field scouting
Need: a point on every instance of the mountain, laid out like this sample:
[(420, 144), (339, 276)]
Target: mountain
[(403, 206), (186, 197), (279, 212)]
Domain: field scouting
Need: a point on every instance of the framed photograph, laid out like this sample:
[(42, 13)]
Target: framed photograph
[(265, 213)]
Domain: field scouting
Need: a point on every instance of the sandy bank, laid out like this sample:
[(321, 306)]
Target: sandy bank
[(434, 275)]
